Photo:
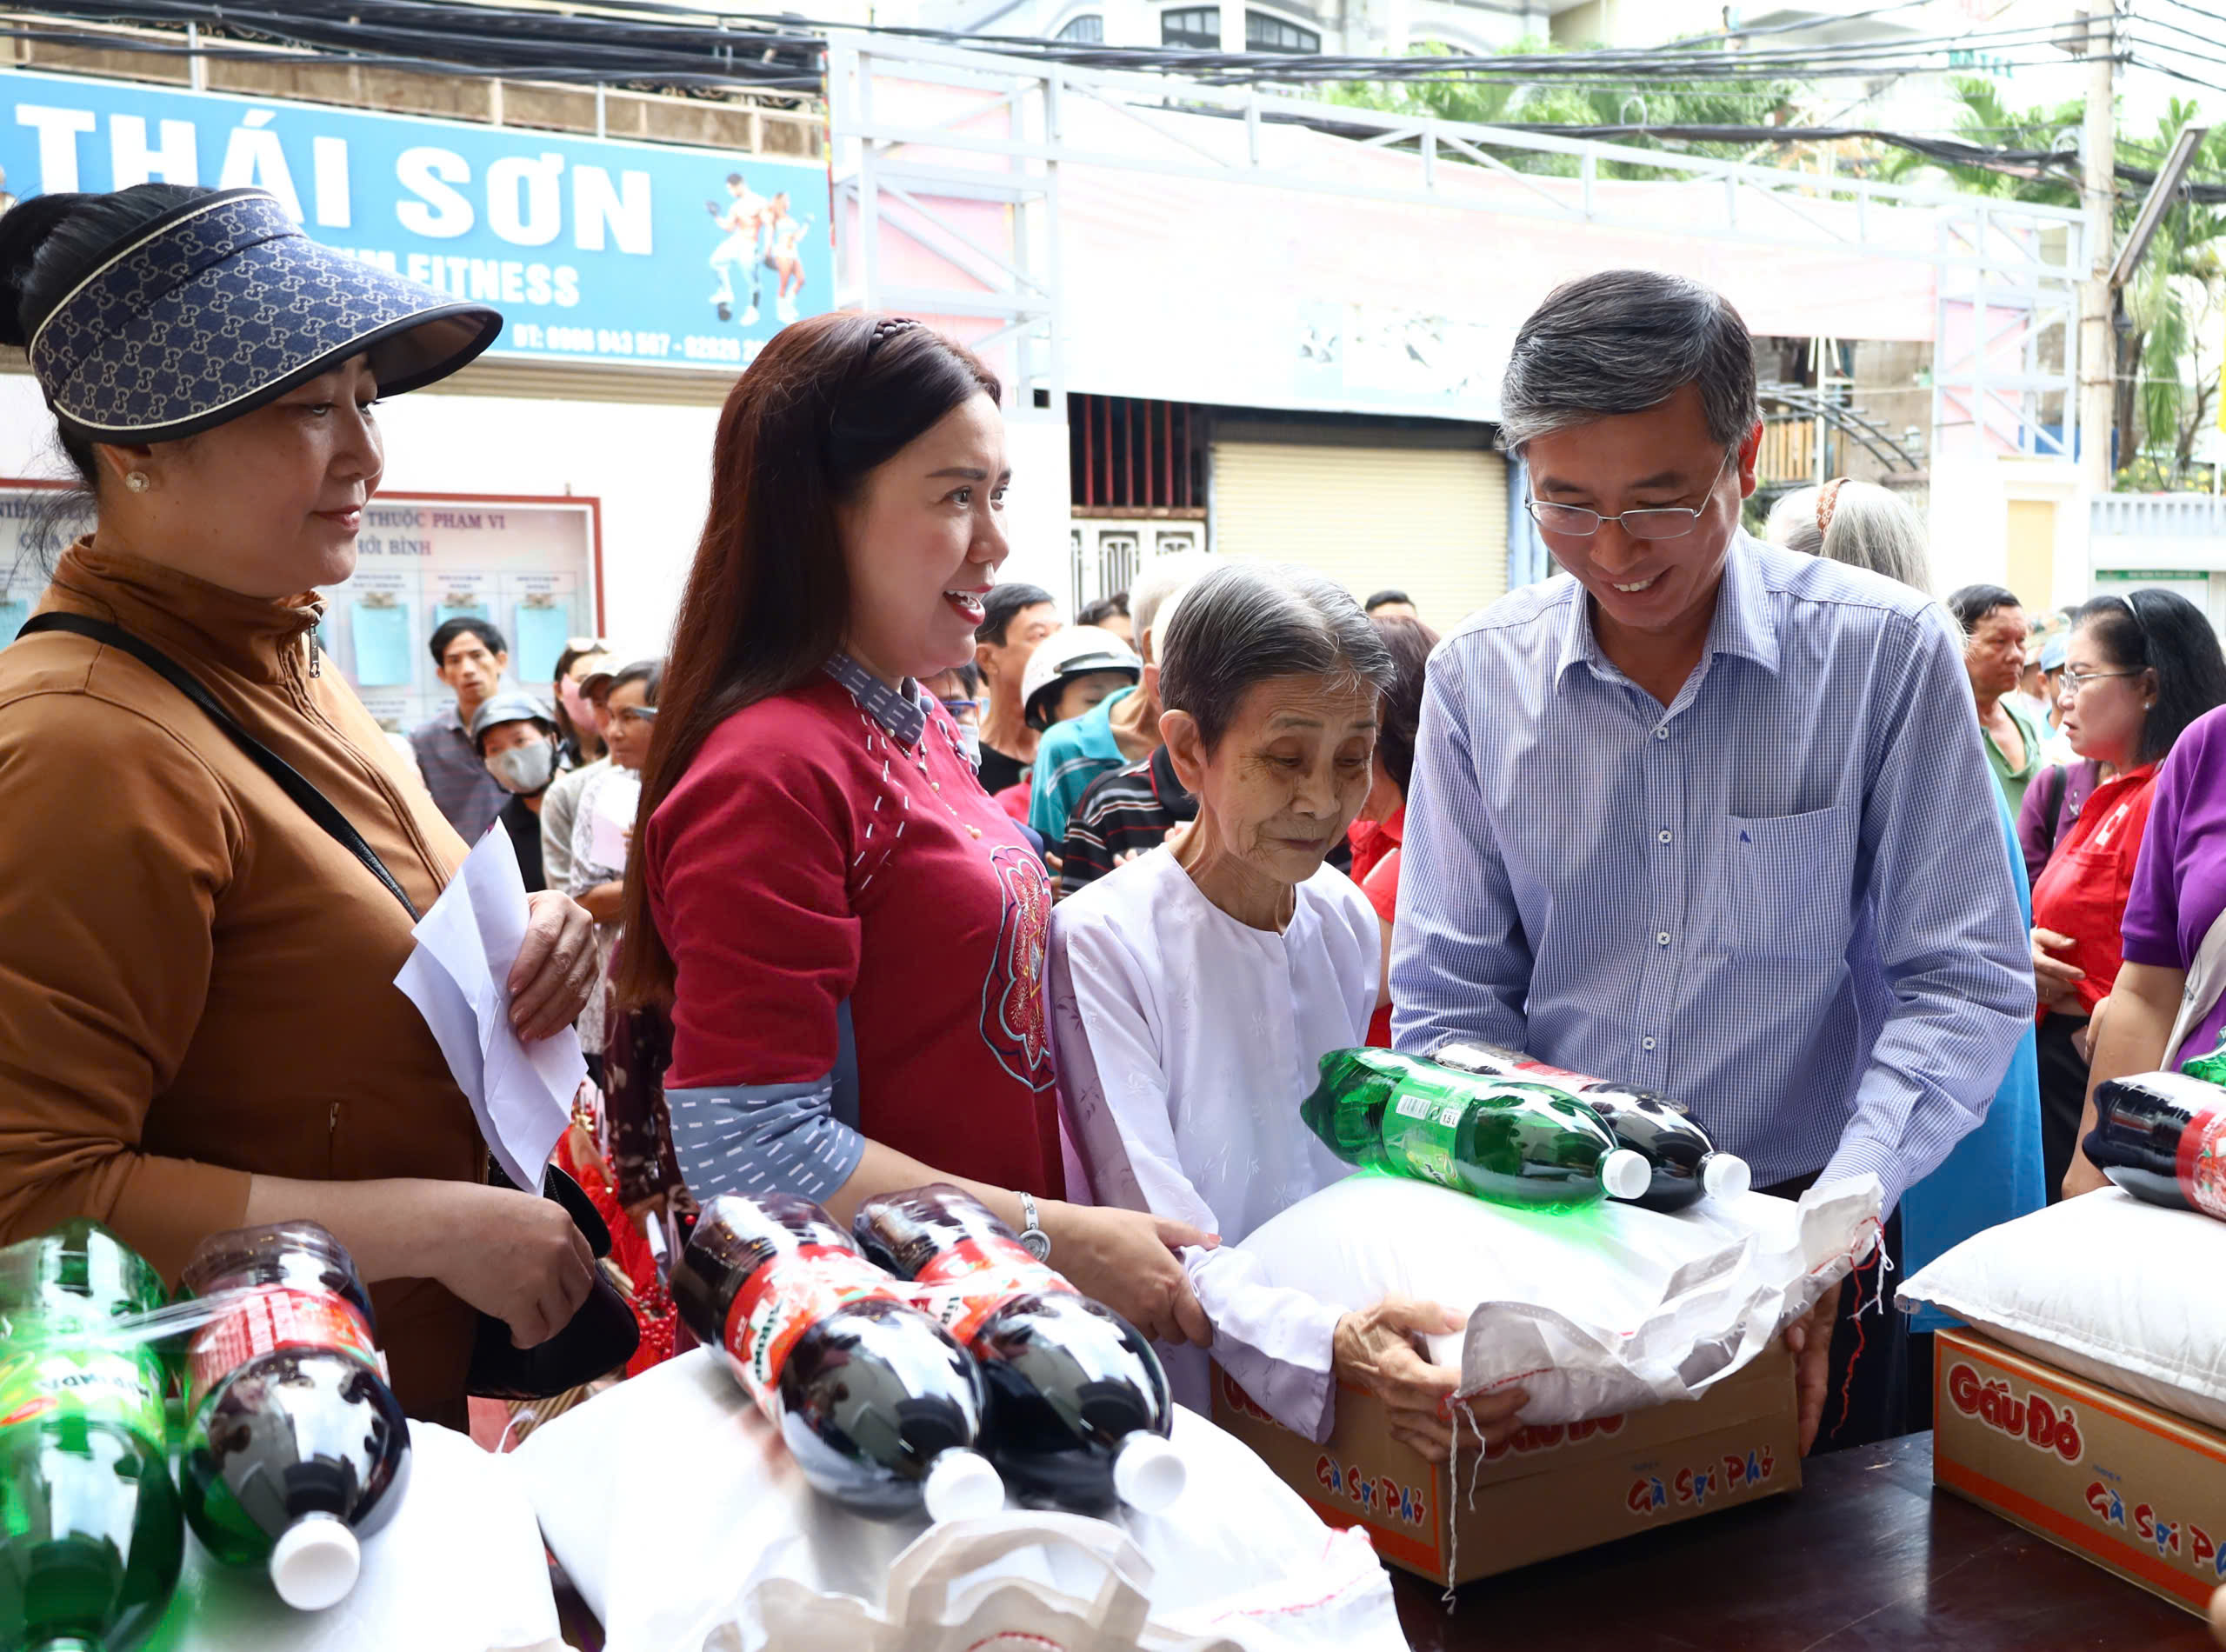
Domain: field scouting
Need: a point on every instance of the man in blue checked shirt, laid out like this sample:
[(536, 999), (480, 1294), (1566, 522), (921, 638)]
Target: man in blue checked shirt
[(1677, 820)]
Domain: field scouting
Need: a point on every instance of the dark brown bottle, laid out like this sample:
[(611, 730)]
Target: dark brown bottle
[(2161, 1137), (296, 1448), (880, 1406), (1079, 1410)]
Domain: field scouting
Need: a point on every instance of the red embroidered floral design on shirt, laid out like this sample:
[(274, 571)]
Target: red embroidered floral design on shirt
[(1012, 999)]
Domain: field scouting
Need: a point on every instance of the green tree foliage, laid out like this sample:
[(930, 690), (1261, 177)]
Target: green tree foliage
[(1498, 103)]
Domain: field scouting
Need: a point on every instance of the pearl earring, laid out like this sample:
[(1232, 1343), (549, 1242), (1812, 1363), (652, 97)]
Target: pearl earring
[(136, 480)]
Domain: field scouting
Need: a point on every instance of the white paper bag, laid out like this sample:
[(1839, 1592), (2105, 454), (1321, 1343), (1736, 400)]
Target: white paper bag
[(1594, 1311), (927, 1611), (1239, 1555)]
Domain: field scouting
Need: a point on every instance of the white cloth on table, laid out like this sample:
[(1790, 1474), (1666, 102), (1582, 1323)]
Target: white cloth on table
[(1186, 1041)]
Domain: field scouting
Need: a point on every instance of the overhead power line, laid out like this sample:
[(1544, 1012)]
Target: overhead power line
[(2143, 25), (2187, 5), (2139, 61), (1944, 152), (635, 41)]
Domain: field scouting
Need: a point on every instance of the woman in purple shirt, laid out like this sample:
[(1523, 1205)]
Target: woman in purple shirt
[(2179, 890)]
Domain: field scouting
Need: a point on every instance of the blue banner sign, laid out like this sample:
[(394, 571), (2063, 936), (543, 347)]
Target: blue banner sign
[(596, 251)]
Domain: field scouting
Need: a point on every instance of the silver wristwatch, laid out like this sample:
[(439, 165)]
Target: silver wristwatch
[(1032, 1236)]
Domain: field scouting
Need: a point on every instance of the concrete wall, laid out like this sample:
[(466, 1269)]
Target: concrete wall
[(779, 125), (1971, 500), (649, 463)]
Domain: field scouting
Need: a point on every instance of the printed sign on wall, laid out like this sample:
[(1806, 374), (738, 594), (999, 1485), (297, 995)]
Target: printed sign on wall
[(531, 566), (648, 254)]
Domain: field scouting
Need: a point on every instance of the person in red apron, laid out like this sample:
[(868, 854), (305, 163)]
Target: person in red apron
[(849, 932), (2139, 670)]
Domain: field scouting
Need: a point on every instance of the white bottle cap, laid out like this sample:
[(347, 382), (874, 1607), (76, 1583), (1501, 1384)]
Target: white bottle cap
[(1626, 1174), (961, 1485), (1147, 1473), (314, 1562), (1725, 1176)]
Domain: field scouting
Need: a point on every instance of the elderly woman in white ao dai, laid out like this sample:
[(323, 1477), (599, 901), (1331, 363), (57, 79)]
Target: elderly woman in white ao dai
[(1194, 989)]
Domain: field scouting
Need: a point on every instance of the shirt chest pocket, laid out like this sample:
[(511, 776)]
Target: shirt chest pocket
[(1786, 885)]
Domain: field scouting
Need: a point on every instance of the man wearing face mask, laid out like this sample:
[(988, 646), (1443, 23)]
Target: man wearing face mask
[(516, 737)]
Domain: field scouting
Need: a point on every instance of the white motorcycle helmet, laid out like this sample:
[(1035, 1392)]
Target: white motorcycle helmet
[(1079, 650)]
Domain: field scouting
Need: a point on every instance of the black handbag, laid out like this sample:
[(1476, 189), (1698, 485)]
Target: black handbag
[(602, 1333), (600, 1337)]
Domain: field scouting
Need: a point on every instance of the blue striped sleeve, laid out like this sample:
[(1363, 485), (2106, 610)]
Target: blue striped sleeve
[(1460, 962), (763, 1138)]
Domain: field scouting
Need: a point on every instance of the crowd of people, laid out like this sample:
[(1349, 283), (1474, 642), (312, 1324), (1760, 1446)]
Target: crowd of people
[(881, 874)]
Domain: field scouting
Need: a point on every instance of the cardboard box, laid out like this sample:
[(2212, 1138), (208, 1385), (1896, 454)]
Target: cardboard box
[(2137, 1490), (1549, 1490)]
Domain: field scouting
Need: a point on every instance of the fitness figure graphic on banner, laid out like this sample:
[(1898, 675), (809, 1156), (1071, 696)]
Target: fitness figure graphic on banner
[(782, 254), (742, 219)]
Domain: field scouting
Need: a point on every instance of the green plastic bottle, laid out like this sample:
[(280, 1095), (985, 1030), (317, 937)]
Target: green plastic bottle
[(1513, 1142), (90, 1534), (2211, 1069)]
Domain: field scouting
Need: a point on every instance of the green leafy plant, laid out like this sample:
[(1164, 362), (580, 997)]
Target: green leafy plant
[(1499, 102)]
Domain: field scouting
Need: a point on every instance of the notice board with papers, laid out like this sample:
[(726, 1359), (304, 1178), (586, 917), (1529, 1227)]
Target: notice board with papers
[(532, 565)]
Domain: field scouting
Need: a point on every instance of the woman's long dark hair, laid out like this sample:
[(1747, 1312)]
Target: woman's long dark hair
[(2167, 633), (1400, 721), (768, 597)]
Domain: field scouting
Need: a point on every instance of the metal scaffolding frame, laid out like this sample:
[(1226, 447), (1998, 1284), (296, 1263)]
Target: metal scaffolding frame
[(902, 179), (2006, 334), (1003, 137)]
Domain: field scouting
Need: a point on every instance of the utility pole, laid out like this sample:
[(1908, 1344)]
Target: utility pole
[(2098, 344)]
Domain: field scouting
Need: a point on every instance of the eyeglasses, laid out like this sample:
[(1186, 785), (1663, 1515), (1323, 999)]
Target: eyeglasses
[(1668, 522), (957, 706), (2076, 681)]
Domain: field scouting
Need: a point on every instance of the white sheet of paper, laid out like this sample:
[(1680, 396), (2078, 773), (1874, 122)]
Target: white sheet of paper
[(615, 802), (456, 976)]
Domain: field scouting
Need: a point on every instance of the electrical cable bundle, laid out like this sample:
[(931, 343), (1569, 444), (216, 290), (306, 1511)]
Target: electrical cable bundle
[(640, 43), (633, 41)]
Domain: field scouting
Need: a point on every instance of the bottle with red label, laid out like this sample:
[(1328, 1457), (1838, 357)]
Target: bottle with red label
[(880, 1406), (2161, 1137), (295, 1448), (1686, 1165), (90, 1540), (1079, 1410)]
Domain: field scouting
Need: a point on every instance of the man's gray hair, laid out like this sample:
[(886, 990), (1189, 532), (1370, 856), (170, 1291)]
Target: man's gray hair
[(1621, 341), (1247, 622), (1870, 527), (1162, 577)]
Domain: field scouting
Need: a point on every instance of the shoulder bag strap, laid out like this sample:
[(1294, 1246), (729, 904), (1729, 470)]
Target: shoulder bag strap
[(313, 803), (2060, 783)]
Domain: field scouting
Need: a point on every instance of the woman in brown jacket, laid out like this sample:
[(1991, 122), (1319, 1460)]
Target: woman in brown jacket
[(199, 1026)]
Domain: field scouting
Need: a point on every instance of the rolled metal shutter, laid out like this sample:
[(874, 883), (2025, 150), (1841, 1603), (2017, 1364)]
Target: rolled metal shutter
[(1430, 520)]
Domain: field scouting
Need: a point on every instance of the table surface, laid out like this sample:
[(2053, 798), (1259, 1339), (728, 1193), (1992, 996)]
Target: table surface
[(1867, 1555)]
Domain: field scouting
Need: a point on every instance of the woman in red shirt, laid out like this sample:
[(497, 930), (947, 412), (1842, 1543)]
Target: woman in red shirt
[(848, 931), (2138, 669), (1411, 642)]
